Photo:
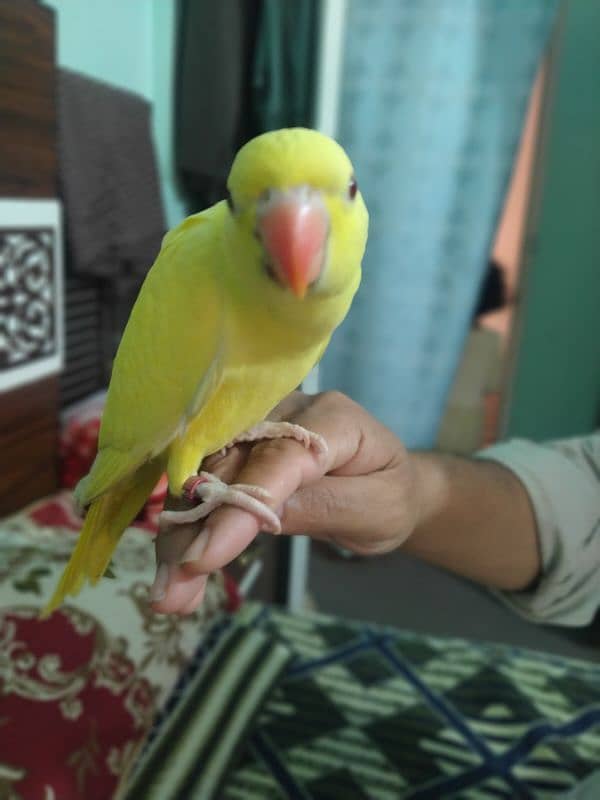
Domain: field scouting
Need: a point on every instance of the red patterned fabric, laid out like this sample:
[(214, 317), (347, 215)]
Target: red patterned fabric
[(73, 710), (148, 516), (234, 598), (79, 444), (78, 448), (79, 690), (56, 511)]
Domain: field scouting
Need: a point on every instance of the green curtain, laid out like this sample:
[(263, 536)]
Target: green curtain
[(284, 65)]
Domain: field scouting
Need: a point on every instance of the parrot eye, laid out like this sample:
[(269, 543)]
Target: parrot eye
[(229, 200), (352, 188)]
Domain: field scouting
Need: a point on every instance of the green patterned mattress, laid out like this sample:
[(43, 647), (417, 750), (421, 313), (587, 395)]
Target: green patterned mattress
[(288, 706)]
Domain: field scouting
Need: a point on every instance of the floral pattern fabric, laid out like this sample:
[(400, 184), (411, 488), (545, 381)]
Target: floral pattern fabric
[(79, 691)]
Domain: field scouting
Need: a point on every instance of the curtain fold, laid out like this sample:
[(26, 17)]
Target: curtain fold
[(243, 67), (433, 102), (284, 65)]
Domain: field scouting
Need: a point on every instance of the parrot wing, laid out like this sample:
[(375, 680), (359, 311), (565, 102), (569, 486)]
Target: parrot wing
[(170, 356)]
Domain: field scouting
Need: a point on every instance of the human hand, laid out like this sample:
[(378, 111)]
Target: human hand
[(362, 495)]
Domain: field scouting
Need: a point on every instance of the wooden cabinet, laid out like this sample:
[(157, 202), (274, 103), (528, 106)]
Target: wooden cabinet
[(28, 443)]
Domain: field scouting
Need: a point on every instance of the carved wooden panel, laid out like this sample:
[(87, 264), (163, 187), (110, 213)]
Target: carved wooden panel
[(30, 291), (31, 345), (29, 321), (27, 330)]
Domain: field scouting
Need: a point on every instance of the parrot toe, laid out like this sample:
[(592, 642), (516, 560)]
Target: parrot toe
[(283, 430), (213, 493)]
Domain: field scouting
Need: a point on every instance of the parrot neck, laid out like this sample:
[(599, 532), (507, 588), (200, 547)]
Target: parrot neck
[(266, 314), (263, 333)]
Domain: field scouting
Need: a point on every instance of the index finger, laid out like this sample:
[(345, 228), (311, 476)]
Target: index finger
[(173, 541), (281, 466)]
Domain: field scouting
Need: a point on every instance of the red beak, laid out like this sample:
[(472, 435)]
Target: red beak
[(294, 230)]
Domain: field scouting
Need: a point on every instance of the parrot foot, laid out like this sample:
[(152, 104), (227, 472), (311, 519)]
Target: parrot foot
[(213, 492), (282, 430)]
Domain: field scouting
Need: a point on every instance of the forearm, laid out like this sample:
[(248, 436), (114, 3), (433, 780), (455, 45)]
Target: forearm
[(476, 520)]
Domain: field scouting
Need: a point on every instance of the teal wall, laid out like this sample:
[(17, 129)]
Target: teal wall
[(107, 39), (129, 43), (556, 389)]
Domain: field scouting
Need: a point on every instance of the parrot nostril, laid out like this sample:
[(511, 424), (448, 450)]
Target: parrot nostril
[(271, 271), (229, 201)]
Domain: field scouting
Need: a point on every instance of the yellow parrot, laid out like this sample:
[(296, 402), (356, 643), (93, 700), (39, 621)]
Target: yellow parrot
[(238, 307)]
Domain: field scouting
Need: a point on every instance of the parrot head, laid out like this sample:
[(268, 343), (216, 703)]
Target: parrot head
[(295, 208)]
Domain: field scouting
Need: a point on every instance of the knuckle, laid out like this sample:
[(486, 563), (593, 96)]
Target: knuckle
[(333, 399), (271, 449)]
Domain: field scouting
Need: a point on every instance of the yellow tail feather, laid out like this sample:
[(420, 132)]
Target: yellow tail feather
[(105, 522)]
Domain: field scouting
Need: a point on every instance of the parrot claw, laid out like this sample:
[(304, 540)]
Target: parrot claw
[(282, 430), (213, 492)]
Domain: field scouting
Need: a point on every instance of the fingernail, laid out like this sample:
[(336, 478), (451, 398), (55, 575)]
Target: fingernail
[(159, 588), (196, 549)]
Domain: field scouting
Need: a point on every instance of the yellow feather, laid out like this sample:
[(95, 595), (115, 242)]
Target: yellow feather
[(107, 518), (213, 343)]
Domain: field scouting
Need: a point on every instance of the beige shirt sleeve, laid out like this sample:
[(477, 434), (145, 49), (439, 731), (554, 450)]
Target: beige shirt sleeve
[(562, 479)]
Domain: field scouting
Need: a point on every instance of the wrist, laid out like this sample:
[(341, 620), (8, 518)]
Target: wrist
[(432, 486)]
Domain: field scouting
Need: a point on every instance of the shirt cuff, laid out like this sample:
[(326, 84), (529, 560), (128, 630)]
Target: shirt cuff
[(566, 502)]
